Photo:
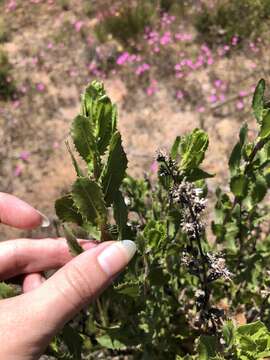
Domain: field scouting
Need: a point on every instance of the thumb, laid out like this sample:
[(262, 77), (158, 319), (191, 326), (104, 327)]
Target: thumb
[(77, 283)]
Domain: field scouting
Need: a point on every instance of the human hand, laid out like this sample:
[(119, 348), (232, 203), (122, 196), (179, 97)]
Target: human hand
[(29, 321)]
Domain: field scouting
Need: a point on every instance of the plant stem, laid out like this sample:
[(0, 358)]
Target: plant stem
[(203, 280)]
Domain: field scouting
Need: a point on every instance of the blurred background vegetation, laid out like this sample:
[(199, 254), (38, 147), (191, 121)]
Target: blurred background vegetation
[(171, 65)]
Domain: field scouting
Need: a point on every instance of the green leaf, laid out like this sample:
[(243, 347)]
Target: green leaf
[(74, 247), (175, 147), (74, 161), (66, 210), (7, 290), (101, 113), (154, 233), (109, 343), (258, 100), (239, 185), (94, 92), (243, 134), (115, 169), (253, 341), (259, 189), (228, 332), (207, 347), (193, 147), (89, 200), (83, 137), (73, 341), (254, 330), (265, 127), (131, 289), (120, 213), (107, 117), (196, 174), (232, 231), (235, 158)]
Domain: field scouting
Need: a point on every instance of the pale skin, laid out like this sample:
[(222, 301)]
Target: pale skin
[(29, 321)]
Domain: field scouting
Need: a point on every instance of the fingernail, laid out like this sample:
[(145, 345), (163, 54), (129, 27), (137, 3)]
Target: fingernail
[(45, 220), (116, 256)]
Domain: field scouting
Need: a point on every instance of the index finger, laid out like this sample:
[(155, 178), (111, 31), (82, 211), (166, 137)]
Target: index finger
[(17, 213)]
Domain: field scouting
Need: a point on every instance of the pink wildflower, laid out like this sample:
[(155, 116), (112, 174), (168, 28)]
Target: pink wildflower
[(235, 40), (218, 83), (40, 87), (11, 5), (24, 155), (142, 69), (78, 25), (56, 145), (152, 88), (201, 109), (222, 97), (154, 167), (213, 98), (123, 58), (252, 65), (179, 95), (243, 93), (239, 105), (16, 104), (166, 38), (18, 170)]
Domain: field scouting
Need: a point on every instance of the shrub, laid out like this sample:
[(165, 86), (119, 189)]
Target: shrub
[(247, 19), (65, 4), (7, 87), (180, 295), (127, 23), (3, 30)]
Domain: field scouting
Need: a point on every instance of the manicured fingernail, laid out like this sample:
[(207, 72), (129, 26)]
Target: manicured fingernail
[(45, 220), (116, 256)]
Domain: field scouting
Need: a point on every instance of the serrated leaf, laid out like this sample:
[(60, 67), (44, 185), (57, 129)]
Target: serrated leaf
[(197, 174), (259, 189), (232, 231), (66, 210), (120, 213), (83, 137), (175, 147), (105, 124), (131, 289), (239, 185), (89, 200), (265, 127), (109, 343), (74, 161), (193, 147), (243, 134), (73, 245), (93, 93), (115, 169), (258, 100), (255, 329), (228, 332), (235, 158)]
